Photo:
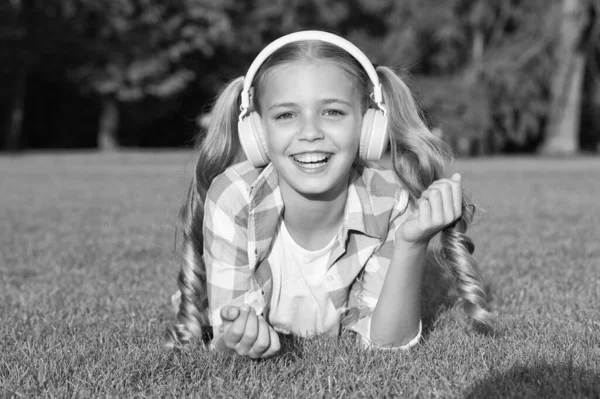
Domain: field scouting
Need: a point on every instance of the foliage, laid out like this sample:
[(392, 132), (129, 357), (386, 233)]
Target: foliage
[(517, 72), (146, 45), (458, 111), (156, 57), (519, 92)]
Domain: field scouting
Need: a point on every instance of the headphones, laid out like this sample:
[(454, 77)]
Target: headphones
[(373, 136)]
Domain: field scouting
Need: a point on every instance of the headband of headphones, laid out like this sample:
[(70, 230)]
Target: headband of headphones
[(310, 35)]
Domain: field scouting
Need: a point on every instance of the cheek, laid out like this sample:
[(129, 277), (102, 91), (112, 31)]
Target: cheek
[(352, 140), (274, 140)]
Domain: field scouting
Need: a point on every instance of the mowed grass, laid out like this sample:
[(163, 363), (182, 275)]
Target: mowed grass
[(87, 267)]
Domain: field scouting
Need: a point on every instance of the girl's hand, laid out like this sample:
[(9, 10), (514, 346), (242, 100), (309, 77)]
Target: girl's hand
[(247, 333), (439, 206)]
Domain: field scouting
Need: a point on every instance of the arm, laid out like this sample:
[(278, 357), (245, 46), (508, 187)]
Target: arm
[(396, 317), (235, 303)]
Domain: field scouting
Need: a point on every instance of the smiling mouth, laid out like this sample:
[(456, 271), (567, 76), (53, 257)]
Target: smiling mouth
[(312, 159)]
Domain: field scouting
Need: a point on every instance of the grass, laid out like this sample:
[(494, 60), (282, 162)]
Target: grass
[(87, 267)]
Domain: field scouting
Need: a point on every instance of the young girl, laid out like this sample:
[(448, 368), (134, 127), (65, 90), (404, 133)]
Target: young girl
[(291, 228)]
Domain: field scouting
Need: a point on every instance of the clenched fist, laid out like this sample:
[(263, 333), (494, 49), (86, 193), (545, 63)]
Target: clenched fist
[(247, 333), (439, 206)]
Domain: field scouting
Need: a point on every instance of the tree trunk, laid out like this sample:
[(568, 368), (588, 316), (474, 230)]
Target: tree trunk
[(477, 47), (12, 140), (109, 125), (562, 131), (595, 105), (16, 47)]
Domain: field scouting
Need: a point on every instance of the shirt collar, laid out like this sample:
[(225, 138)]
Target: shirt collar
[(359, 210)]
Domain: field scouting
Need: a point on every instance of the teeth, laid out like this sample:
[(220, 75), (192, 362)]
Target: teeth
[(312, 157)]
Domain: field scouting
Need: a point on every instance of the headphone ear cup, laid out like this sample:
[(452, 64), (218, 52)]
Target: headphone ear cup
[(374, 136), (252, 140), (365, 133)]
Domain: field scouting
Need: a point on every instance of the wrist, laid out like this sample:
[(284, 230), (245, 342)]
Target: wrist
[(410, 256), (410, 247)]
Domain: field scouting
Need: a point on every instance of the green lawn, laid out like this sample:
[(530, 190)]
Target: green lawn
[(87, 266)]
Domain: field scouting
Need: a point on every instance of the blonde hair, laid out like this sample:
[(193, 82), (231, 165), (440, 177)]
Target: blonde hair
[(417, 158), (218, 149)]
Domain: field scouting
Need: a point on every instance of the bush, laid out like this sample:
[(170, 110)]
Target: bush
[(458, 111)]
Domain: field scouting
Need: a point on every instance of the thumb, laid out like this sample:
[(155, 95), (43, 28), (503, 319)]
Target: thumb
[(456, 177), (230, 313)]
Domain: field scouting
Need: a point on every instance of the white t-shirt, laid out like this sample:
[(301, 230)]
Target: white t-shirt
[(300, 303)]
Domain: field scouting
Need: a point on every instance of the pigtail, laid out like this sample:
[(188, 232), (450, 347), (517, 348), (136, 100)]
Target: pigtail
[(418, 158), (219, 149)]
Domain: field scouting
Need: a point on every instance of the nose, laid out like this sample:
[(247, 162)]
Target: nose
[(310, 130)]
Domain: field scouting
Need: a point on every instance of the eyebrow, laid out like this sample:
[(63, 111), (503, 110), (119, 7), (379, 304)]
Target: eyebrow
[(325, 101), (276, 105), (336, 100)]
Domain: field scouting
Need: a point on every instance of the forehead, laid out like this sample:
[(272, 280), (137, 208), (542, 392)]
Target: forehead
[(307, 77)]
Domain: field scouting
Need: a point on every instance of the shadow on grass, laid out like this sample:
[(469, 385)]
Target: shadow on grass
[(539, 381), (291, 347), (437, 294)]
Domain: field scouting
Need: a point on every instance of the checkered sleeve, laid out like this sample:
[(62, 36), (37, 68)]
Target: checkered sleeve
[(229, 278), (369, 286)]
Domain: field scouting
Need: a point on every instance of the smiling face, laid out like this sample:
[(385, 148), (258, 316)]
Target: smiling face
[(311, 117)]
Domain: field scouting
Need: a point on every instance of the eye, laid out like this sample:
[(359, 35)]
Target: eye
[(334, 112), (284, 115)]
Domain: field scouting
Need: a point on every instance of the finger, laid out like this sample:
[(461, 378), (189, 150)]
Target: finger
[(455, 184), (424, 213), (250, 333), (457, 191), (437, 208), (238, 327), (445, 190), (457, 194), (230, 313), (275, 344), (263, 339)]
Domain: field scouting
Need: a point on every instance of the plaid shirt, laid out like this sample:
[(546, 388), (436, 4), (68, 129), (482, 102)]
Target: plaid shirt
[(242, 212)]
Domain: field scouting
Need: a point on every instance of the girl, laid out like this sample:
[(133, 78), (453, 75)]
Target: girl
[(308, 235)]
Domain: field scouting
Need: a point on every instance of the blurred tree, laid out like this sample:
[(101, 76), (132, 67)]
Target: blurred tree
[(511, 61), (15, 65), (577, 18), (146, 49), (37, 40), (481, 67), (121, 51)]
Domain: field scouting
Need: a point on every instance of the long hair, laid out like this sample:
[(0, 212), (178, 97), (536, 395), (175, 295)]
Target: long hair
[(417, 158), (218, 149)]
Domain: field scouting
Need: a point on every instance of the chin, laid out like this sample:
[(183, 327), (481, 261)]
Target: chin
[(317, 189), (328, 183), (324, 181)]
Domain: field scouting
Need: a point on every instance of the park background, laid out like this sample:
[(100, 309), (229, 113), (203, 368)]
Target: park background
[(100, 101), (501, 76)]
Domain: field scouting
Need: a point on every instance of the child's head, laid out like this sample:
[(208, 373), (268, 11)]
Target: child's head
[(311, 112), (311, 99)]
